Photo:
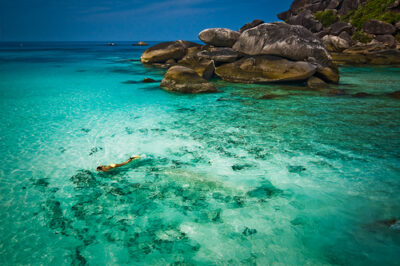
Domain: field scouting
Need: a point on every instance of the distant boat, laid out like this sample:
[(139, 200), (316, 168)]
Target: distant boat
[(140, 44), (111, 44)]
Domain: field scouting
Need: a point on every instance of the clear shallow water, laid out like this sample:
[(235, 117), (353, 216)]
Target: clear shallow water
[(304, 178)]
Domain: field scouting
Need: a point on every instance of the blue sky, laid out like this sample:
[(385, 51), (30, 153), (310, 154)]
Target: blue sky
[(129, 20)]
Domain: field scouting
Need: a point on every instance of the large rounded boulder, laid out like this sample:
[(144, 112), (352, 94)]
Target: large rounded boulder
[(185, 80), (219, 37), (374, 26), (164, 51), (293, 42), (265, 68)]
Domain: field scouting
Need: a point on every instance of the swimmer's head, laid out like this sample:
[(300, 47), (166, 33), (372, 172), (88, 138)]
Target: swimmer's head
[(99, 168)]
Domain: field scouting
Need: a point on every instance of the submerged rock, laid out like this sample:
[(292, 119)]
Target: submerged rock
[(248, 232), (361, 95), (185, 80), (84, 178), (395, 94), (267, 190), (148, 80), (164, 51), (316, 83), (265, 68), (219, 37)]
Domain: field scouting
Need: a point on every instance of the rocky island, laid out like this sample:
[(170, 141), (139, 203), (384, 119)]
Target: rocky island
[(354, 31), (306, 48), (257, 53)]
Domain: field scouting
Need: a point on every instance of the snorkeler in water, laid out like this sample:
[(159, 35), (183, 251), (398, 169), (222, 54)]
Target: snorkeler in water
[(105, 168)]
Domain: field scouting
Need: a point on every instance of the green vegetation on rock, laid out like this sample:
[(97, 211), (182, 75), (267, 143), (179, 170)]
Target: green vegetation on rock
[(372, 9), (361, 37), (326, 17)]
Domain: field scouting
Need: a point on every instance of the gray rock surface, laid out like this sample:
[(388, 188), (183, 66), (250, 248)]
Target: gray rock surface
[(305, 19), (290, 41), (339, 27), (374, 26), (348, 5), (219, 37), (387, 39)]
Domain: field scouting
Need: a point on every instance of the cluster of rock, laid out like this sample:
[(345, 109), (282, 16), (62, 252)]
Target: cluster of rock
[(257, 53), (339, 38)]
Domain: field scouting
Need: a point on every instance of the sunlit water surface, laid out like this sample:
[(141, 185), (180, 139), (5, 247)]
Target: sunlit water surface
[(228, 178)]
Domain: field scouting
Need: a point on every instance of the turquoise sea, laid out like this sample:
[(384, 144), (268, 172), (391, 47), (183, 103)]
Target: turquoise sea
[(305, 178)]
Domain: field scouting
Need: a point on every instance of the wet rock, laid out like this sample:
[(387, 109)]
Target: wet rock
[(84, 178), (250, 25), (395, 95), (378, 27), (185, 80), (265, 68), (361, 95), (219, 37), (305, 19), (148, 80), (339, 27), (219, 54), (164, 51), (316, 83), (387, 39), (269, 97), (336, 92), (248, 232)]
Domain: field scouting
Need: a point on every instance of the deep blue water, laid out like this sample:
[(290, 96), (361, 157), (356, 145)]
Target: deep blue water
[(227, 178)]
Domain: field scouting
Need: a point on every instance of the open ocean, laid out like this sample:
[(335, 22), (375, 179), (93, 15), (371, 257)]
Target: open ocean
[(306, 178)]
